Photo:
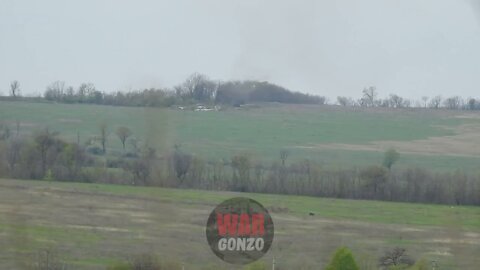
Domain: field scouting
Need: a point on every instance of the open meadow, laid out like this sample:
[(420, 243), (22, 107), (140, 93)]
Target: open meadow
[(92, 226), (330, 135)]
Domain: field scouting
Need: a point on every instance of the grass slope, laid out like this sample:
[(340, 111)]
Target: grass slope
[(261, 132), (96, 225)]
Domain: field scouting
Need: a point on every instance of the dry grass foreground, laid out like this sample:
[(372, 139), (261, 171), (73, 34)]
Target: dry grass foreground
[(92, 227)]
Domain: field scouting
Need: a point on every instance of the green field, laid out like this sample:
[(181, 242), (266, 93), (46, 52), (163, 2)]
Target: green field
[(264, 131), (93, 225)]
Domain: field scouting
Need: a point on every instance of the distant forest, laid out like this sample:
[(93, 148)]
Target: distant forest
[(198, 88)]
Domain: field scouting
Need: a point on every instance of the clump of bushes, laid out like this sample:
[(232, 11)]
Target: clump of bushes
[(342, 260)]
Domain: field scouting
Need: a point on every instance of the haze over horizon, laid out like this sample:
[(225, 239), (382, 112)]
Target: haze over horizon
[(411, 48)]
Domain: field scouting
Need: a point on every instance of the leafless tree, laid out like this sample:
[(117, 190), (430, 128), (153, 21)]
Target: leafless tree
[(13, 153), (141, 167), (241, 172), (181, 163), (425, 100), (396, 101), (369, 96), (123, 133), (198, 87), (103, 136), (435, 102), (15, 89), (55, 91), (453, 103), (43, 141), (284, 153), (395, 258), (86, 91), (374, 178)]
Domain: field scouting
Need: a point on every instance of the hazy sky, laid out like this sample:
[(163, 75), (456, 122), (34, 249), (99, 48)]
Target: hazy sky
[(409, 47)]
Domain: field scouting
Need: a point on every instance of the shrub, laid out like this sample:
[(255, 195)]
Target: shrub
[(342, 260), (391, 156)]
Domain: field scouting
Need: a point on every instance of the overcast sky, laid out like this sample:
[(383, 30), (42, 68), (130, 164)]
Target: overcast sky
[(409, 47)]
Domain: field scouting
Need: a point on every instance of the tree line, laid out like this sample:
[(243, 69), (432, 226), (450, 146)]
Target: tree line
[(370, 99), (44, 155), (198, 88)]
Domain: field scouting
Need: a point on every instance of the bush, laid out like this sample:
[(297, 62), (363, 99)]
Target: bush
[(391, 156), (342, 260)]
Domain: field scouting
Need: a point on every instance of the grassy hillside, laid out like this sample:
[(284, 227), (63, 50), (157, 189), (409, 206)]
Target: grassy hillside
[(95, 225), (328, 134)]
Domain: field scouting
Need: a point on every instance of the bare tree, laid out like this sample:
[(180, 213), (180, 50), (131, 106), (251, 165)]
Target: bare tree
[(435, 102), (13, 153), (395, 258), (15, 89), (181, 163), (141, 167), (425, 100), (453, 103), (103, 136), (55, 91), (43, 141), (396, 101), (241, 172), (374, 178), (198, 87), (123, 133), (86, 91), (284, 153), (369, 96)]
